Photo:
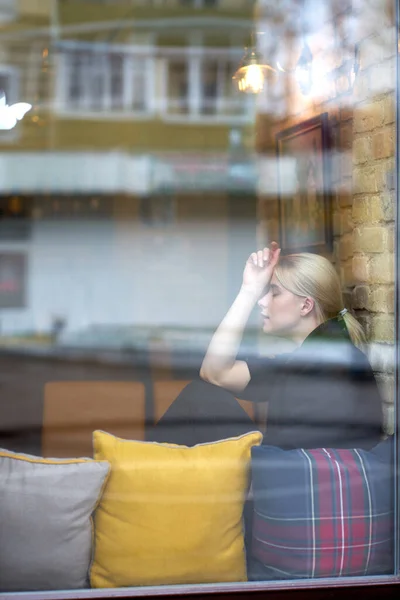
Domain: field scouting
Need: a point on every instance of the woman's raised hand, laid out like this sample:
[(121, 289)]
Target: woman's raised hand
[(259, 269)]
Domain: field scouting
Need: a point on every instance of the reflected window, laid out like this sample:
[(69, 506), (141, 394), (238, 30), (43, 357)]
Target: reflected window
[(210, 80), (116, 68), (202, 87), (217, 93), (93, 80), (178, 87), (9, 83)]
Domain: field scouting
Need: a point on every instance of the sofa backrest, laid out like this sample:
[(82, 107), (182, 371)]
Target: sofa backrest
[(72, 410)]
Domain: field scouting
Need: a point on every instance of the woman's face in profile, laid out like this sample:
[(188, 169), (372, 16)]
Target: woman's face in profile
[(280, 310)]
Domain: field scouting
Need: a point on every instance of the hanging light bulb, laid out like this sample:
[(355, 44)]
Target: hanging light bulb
[(252, 73), (304, 70)]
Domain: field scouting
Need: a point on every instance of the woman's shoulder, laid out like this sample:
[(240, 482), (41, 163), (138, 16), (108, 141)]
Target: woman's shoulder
[(360, 364)]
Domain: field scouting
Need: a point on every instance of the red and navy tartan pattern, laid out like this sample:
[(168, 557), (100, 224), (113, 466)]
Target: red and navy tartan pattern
[(322, 513)]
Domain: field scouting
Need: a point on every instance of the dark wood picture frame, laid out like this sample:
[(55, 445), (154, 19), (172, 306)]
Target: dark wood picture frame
[(304, 187)]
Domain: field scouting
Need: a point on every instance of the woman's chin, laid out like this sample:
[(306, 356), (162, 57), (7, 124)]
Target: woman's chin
[(267, 326)]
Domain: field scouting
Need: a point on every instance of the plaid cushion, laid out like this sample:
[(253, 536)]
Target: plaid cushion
[(322, 513)]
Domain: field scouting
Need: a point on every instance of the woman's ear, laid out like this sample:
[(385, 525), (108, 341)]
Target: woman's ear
[(307, 306)]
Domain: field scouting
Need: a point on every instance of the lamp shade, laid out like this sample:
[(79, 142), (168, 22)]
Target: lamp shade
[(251, 74)]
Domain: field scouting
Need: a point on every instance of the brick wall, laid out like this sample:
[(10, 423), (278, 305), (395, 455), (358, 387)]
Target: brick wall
[(361, 163), (373, 208)]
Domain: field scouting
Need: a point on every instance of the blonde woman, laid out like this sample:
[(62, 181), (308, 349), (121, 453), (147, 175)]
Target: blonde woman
[(323, 394)]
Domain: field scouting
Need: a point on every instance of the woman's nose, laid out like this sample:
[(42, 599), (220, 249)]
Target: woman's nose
[(263, 301)]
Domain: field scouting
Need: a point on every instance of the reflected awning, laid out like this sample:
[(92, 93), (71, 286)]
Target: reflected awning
[(118, 172)]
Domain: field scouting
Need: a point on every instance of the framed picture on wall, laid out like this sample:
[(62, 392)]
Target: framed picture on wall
[(304, 194), (12, 280)]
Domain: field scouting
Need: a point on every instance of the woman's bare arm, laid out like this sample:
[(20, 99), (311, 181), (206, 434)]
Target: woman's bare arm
[(220, 366)]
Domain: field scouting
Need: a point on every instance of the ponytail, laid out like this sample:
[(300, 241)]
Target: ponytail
[(356, 332)]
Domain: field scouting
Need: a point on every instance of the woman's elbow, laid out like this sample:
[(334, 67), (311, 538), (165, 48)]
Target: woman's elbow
[(204, 374), (207, 376)]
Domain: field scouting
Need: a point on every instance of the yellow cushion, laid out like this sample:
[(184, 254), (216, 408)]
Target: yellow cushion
[(171, 514)]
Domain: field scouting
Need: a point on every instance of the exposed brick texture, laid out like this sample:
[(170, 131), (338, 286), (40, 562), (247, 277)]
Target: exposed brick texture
[(362, 176)]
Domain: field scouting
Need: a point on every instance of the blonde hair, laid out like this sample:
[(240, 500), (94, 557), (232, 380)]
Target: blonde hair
[(306, 274)]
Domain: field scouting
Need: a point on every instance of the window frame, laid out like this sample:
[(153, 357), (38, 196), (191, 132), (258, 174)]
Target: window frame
[(370, 587), (397, 299)]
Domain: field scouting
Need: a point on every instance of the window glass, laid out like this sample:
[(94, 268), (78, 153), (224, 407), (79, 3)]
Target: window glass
[(209, 86), (198, 295), (178, 86)]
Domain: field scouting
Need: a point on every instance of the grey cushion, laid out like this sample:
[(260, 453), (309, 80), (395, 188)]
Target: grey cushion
[(45, 520)]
